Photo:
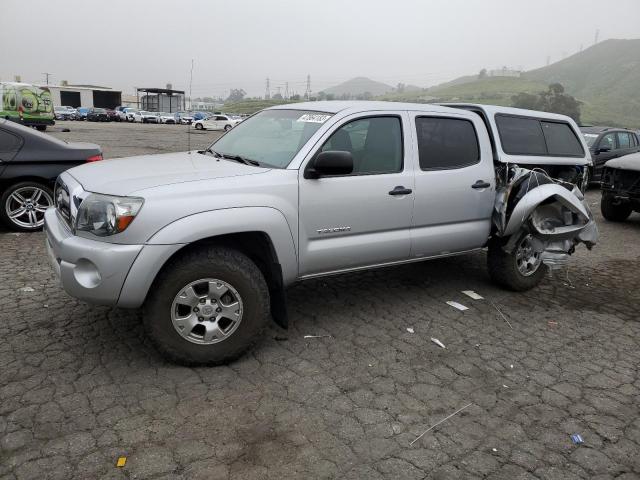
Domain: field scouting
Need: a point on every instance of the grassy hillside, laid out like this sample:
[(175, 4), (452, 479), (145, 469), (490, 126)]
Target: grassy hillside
[(358, 86), (250, 106), (493, 90), (605, 77)]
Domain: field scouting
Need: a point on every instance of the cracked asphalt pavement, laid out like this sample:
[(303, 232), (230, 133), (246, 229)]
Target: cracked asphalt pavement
[(81, 386)]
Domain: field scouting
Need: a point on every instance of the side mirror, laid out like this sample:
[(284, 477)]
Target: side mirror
[(332, 162), (603, 149)]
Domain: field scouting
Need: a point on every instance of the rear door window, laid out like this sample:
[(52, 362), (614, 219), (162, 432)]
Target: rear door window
[(561, 140), (624, 140), (10, 145), (521, 136), (445, 143)]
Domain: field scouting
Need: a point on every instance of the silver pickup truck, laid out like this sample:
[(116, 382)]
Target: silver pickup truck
[(207, 241)]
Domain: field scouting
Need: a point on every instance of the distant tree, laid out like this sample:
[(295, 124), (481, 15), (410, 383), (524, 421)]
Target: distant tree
[(554, 100), (236, 94), (482, 74), (277, 96), (295, 97), (330, 96), (208, 99), (322, 96), (400, 87)]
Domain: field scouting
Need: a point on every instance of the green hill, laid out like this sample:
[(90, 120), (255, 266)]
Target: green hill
[(605, 77)]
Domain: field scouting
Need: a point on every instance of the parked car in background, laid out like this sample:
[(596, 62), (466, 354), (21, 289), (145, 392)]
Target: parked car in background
[(165, 117), (209, 240), (82, 113), (121, 112), (607, 143), (185, 118), (97, 115), (149, 117), (112, 115), (621, 187), (200, 115), (131, 113), (216, 122), (30, 162), (63, 113)]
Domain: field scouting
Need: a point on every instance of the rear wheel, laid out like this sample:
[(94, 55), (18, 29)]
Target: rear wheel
[(227, 128), (208, 306), (199, 126), (520, 270), (23, 205), (41, 128), (612, 211)]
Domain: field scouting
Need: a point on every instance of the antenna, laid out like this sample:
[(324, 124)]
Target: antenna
[(47, 74), (189, 125)]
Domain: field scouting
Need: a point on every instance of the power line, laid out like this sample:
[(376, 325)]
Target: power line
[(47, 74)]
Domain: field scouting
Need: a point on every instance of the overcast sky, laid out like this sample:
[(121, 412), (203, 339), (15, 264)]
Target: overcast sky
[(238, 43)]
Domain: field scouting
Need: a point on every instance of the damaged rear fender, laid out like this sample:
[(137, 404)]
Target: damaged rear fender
[(553, 212)]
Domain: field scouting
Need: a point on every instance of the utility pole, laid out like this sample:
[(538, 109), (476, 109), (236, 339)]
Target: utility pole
[(286, 91), (46, 74), (307, 93), (597, 37), (278, 91), (267, 93)]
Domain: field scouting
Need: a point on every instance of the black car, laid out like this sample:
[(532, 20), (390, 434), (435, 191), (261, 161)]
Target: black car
[(97, 115), (621, 188), (606, 143), (30, 162)]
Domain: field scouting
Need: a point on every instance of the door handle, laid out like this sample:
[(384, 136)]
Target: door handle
[(400, 190), (481, 184)]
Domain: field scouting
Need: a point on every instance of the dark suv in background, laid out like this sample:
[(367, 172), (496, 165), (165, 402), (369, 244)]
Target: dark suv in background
[(606, 143)]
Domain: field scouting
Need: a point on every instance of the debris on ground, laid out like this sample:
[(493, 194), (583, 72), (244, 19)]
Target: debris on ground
[(552, 323), (410, 330), (472, 294), (443, 420), (494, 449), (122, 461), (438, 342), (577, 439), (317, 336), (501, 314), (457, 305), (26, 289)]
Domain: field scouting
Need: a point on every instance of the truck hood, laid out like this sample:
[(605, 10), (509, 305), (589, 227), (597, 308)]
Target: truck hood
[(123, 176), (627, 162)]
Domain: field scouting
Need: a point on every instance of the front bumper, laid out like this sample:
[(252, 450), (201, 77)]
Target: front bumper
[(90, 270)]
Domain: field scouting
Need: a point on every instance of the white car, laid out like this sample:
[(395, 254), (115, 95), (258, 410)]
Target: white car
[(142, 116), (216, 122), (167, 117), (121, 113)]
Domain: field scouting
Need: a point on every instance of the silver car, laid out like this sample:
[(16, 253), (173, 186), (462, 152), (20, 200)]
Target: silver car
[(207, 241)]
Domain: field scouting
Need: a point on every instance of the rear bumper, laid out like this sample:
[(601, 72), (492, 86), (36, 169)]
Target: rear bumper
[(90, 270)]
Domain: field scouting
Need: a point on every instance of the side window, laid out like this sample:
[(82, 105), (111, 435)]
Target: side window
[(375, 144), (608, 141), (561, 140), (10, 145), (445, 143), (624, 140), (521, 136)]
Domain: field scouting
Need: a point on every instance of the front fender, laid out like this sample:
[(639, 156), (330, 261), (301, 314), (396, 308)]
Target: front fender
[(171, 238)]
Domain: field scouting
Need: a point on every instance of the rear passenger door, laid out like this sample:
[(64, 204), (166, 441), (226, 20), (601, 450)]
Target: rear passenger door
[(626, 144), (455, 184)]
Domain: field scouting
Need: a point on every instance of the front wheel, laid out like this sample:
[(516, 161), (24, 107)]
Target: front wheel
[(612, 211), (227, 128), (199, 126), (22, 205), (207, 307), (520, 270)]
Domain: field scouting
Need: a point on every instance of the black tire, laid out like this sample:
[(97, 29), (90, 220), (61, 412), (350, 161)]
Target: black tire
[(5, 198), (198, 126), (227, 128), (41, 128), (503, 268), (220, 263), (612, 211)]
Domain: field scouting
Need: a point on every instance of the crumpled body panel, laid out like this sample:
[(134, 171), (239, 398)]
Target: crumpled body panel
[(555, 213)]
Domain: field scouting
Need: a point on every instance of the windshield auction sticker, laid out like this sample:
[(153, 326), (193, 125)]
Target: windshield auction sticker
[(314, 118)]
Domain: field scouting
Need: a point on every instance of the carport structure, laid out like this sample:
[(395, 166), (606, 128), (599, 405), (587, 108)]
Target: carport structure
[(161, 99)]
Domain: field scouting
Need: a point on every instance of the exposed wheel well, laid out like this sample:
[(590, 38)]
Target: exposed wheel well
[(259, 248), (6, 182)]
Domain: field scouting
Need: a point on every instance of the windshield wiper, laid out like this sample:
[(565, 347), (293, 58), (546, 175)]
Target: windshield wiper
[(237, 158)]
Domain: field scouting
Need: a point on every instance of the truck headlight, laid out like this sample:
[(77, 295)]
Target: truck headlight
[(105, 215)]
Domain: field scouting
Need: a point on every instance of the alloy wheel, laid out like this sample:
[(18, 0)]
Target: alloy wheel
[(25, 206), (527, 259)]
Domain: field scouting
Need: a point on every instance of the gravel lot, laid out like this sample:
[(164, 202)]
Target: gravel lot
[(81, 386)]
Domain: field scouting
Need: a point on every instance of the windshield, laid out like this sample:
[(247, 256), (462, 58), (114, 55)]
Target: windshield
[(99, 110), (272, 137), (590, 138)]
